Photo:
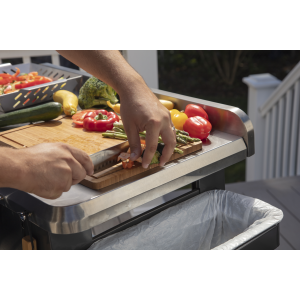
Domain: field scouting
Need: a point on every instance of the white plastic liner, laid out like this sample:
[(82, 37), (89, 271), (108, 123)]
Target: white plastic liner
[(213, 220)]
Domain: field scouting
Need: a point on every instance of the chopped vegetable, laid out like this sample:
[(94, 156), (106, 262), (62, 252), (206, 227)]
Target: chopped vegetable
[(79, 117), (197, 127), (94, 92), (124, 156), (13, 83)]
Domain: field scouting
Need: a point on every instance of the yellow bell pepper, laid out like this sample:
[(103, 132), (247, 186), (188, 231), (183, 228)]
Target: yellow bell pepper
[(178, 118), (116, 107)]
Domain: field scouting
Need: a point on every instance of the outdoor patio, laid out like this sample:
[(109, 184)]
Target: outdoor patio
[(283, 193)]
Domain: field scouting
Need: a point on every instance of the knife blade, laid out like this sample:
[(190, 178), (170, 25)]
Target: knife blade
[(108, 157)]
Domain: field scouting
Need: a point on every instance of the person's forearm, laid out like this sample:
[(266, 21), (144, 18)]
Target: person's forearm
[(10, 173), (108, 66)]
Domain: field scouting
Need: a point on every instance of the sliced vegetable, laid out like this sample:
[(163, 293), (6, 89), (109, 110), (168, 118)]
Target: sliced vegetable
[(193, 110), (22, 81), (127, 164), (79, 117), (197, 127)]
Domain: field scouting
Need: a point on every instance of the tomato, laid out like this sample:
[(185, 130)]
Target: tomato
[(193, 110), (197, 127)]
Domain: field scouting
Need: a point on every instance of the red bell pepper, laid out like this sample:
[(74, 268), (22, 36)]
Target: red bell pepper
[(79, 117), (94, 113), (100, 120), (4, 81), (127, 164), (193, 110), (8, 89), (21, 78), (197, 127)]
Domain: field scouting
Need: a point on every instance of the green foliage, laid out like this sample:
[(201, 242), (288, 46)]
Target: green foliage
[(196, 73)]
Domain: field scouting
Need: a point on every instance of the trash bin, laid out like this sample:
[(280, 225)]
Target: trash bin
[(216, 220)]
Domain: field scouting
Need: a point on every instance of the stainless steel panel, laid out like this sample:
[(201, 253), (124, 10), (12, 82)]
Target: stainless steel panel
[(42, 93), (222, 117), (82, 208)]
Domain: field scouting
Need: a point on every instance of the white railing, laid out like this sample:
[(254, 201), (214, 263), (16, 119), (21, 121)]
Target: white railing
[(27, 54), (277, 150)]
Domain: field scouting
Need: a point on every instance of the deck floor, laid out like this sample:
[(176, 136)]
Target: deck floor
[(283, 193)]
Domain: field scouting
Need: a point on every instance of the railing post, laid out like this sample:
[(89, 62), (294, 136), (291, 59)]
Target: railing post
[(260, 87)]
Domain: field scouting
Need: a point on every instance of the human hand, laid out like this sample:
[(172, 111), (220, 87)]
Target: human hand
[(141, 110), (50, 169)]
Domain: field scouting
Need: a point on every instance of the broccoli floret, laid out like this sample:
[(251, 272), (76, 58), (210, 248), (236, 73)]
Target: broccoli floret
[(95, 92)]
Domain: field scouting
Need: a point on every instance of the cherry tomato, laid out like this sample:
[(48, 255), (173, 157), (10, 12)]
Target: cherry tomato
[(193, 110)]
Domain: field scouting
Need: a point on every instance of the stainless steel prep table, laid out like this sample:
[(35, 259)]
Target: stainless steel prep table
[(69, 221)]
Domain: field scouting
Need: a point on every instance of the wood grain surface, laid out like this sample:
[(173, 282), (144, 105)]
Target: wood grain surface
[(117, 173), (62, 130)]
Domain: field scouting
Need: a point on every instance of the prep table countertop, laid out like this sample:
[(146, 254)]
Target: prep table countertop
[(82, 208)]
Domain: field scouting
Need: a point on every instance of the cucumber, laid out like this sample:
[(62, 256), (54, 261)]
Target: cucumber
[(44, 112)]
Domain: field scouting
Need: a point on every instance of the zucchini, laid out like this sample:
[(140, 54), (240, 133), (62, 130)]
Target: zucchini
[(44, 112)]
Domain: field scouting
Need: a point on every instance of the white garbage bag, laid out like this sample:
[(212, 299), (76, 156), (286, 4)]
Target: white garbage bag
[(213, 220)]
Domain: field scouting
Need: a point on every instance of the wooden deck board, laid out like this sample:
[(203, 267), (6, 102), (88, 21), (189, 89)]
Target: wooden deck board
[(283, 193)]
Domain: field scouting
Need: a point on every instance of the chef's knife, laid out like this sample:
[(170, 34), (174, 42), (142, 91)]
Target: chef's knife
[(108, 157)]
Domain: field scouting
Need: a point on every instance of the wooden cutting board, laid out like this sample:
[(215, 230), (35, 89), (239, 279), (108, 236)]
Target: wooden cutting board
[(116, 173), (62, 130)]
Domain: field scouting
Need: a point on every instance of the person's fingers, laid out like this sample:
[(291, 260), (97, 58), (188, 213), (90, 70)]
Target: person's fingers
[(65, 178), (169, 137), (152, 134), (78, 171), (84, 159), (134, 141)]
